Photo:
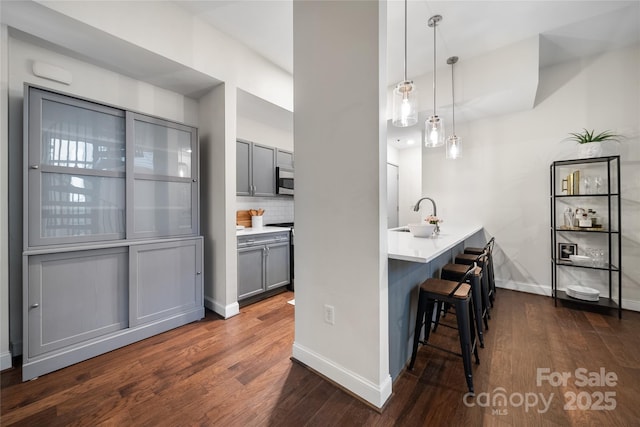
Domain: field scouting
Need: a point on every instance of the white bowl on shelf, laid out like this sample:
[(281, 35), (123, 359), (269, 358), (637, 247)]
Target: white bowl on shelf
[(579, 259), (422, 230)]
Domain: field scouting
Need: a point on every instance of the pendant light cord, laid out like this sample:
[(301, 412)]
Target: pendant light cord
[(405, 40), (434, 69), (453, 100)]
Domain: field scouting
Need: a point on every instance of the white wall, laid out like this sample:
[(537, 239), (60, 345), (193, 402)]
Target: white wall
[(218, 197), (410, 183), (5, 355), (89, 82), (341, 251), (171, 32), (513, 153)]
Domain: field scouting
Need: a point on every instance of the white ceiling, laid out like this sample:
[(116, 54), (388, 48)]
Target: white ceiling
[(468, 28), (567, 30)]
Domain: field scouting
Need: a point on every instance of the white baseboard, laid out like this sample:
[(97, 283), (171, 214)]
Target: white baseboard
[(5, 360), (531, 288), (225, 311), (375, 394)]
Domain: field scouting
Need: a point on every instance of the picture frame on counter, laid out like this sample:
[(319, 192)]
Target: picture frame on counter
[(565, 250)]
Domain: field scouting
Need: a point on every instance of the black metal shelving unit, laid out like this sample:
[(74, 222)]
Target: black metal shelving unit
[(611, 235)]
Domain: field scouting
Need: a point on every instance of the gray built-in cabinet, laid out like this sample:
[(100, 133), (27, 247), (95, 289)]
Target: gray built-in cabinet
[(112, 252), (255, 169), (263, 263)]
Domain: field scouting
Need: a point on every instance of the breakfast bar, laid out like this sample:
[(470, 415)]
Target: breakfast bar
[(412, 260)]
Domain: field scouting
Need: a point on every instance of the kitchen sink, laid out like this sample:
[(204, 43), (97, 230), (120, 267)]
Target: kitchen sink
[(401, 229)]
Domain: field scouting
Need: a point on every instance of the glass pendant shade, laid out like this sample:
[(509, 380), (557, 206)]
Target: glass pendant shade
[(433, 132), (405, 105), (454, 148)]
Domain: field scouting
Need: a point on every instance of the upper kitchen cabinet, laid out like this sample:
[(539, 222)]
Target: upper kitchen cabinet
[(164, 197), (284, 159), (255, 169)]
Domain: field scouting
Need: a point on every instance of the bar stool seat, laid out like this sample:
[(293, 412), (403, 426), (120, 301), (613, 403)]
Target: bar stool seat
[(479, 297), (458, 294)]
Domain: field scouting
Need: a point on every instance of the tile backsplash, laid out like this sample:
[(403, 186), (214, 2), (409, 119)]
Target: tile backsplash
[(276, 209)]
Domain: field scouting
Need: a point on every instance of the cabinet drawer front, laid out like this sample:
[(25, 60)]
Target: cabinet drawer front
[(263, 239), (75, 296)]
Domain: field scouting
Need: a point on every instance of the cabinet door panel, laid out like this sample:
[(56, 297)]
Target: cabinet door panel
[(77, 134), (243, 168), (80, 207), (277, 265), (163, 208), (75, 296), (165, 279), (162, 148), (264, 170), (250, 271)]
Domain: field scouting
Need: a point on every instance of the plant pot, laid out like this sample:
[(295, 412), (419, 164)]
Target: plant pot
[(590, 149)]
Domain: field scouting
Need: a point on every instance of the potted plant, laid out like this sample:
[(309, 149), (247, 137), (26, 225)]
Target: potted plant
[(591, 142)]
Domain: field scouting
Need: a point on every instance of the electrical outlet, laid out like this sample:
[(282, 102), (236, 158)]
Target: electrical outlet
[(329, 314)]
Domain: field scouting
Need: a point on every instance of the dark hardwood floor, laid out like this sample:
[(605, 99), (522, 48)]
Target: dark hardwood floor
[(238, 372)]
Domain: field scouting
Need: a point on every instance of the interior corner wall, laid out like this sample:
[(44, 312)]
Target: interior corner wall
[(89, 82), (340, 203), (218, 196), (504, 172), (410, 184), (5, 353)]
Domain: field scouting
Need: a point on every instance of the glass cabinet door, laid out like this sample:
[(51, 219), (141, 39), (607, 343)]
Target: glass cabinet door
[(164, 193), (75, 171)]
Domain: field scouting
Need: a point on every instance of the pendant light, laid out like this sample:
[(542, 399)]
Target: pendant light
[(405, 105), (434, 126), (454, 147)]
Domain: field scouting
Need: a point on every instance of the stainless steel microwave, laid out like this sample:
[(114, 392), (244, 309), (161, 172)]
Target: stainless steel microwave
[(284, 181)]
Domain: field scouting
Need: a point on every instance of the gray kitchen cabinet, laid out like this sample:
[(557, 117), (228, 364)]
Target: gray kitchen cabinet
[(111, 222), (73, 297), (164, 279), (255, 169), (284, 159), (263, 263)]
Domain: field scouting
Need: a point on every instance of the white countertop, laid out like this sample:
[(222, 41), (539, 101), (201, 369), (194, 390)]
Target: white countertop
[(403, 246), (267, 229)]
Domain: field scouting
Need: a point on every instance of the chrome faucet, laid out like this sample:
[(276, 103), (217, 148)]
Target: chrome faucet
[(416, 208)]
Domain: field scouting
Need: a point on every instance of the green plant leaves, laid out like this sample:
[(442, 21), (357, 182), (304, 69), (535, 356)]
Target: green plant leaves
[(586, 136)]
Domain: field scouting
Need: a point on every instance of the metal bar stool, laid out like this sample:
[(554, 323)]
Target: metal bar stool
[(481, 260), (488, 248), (456, 272), (458, 294)]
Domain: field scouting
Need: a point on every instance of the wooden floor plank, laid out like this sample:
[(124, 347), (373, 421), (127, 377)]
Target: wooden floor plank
[(238, 372)]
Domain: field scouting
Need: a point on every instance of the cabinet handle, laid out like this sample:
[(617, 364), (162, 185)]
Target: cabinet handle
[(35, 305), (194, 180), (35, 166), (198, 273)]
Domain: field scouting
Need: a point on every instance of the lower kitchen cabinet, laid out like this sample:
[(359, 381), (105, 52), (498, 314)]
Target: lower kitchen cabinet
[(74, 297), (82, 302), (165, 279), (263, 263)]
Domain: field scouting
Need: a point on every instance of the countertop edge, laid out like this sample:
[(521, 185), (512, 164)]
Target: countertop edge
[(425, 259)]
